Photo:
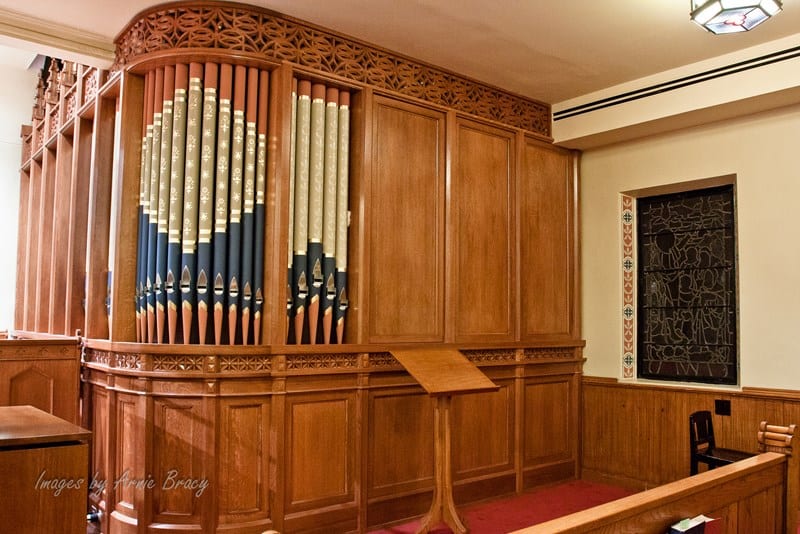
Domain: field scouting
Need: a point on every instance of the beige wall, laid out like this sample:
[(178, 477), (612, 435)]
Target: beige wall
[(763, 151), (17, 90)]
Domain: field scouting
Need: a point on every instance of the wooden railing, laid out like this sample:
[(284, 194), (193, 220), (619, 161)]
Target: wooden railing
[(758, 494)]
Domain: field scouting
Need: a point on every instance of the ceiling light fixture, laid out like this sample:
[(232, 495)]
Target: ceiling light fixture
[(730, 16)]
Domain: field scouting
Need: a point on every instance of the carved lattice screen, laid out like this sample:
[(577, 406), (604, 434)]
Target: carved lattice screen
[(687, 286)]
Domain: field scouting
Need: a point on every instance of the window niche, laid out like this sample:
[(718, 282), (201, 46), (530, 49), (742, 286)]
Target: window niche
[(686, 286)]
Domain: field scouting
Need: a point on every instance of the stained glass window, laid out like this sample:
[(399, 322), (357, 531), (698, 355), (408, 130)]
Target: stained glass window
[(686, 288)]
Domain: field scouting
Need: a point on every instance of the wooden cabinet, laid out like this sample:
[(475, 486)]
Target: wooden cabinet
[(44, 466)]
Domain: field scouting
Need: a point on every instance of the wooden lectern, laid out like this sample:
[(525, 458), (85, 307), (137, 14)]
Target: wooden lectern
[(44, 471), (443, 373)]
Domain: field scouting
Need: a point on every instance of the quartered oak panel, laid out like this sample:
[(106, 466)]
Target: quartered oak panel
[(482, 233), (406, 251), (546, 243)]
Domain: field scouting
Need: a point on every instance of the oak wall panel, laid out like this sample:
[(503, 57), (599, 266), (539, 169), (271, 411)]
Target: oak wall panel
[(406, 228), (638, 435), (79, 209), (60, 220), (45, 229), (99, 423), (127, 452), (547, 254), (244, 459), (22, 248), (547, 435), (320, 431), (482, 234), (44, 374), (178, 437), (32, 266), (483, 431), (401, 423)]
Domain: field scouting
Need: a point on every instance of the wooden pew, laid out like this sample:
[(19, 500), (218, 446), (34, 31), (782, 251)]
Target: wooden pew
[(759, 494)]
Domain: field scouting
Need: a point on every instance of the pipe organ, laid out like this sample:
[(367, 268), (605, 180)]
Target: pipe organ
[(293, 204)]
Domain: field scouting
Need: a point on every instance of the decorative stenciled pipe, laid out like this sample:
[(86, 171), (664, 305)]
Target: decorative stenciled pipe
[(300, 245), (342, 215), (144, 210), (260, 207), (206, 205), (316, 181), (221, 196), (191, 195), (176, 199), (163, 202), (248, 202), (328, 294), (290, 247), (155, 176), (235, 200)]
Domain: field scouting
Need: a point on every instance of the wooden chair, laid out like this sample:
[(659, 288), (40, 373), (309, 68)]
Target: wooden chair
[(703, 446)]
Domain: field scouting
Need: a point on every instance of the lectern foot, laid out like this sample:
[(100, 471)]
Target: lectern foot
[(448, 517)]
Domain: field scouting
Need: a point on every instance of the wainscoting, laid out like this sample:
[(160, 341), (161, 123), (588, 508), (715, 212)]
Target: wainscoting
[(637, 435)]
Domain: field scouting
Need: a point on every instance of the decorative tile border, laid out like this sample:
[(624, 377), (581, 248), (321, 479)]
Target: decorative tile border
[(628, 224)]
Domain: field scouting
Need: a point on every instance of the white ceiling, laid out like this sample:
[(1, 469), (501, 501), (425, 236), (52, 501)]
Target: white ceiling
[(549, 50)]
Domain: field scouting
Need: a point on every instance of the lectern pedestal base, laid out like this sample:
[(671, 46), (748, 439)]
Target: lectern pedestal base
[(443, 508)]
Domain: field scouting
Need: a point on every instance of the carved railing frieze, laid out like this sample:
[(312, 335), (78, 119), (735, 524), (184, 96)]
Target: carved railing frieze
[(327, 362), (97, 356), (549, 353), (178, 362), (238, 28), (127, 360), (245, 363), (382, 359), (490, 356)]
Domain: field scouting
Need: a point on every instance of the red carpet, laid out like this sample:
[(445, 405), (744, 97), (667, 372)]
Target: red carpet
[(512, 513)]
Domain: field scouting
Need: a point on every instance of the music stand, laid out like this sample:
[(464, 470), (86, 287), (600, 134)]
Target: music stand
[(443, 373)]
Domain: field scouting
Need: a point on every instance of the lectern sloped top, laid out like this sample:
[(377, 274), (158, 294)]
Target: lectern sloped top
[(443, 371), (30, 426)]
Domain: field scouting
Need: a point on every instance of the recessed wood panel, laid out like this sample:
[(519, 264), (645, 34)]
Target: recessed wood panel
[(546, 228), (406, 251), (22, 249), (320, 448), (482, 233), (243, 458), (32, 267), (60, 218), (128, 453), (45, 229), (178, 440), (546, 429), (99, 444), (644, 440), (482, 427), (400, 442), (32, 386), (79, 209), (43, 375)]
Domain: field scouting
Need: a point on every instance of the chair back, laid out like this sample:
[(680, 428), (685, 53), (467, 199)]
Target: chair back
[(701, 431)]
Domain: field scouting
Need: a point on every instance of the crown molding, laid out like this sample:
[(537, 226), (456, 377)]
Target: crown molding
[(57, 40)]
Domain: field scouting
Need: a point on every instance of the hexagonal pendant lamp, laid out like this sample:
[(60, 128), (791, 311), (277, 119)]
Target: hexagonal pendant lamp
[(731, 16)]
